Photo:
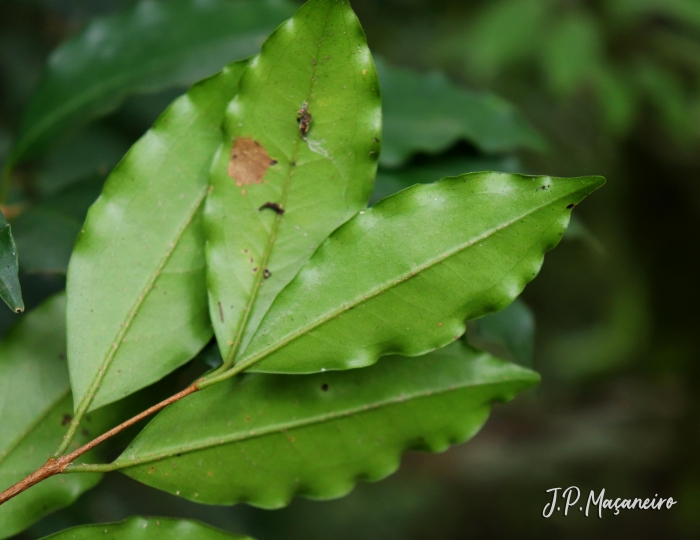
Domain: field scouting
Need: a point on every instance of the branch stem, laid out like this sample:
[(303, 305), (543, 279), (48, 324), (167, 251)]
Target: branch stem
[(58, 465)]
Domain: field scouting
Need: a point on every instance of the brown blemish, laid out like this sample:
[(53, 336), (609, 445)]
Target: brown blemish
[(249, 162), (267, 273), (304, 119), (67, 419), (221, 312), (272, 206)]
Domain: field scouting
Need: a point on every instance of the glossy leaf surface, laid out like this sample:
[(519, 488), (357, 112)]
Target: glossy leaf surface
[(150, 528), (390, 181), (153, 46), (35, 402), (298, 159), (137, 305), (403, 276), (262, 439), (10, 290), (427, 113)]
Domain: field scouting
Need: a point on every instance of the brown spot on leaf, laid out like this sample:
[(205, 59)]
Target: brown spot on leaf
[(267, 273), (249, 162), (304, 118), (221, 312), (67, 419)]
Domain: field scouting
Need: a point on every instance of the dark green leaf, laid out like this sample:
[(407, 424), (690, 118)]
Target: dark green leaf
[(10, 290), (509, 333), (262, 439), (427, 113), (403, 276), (45, 234), (35, 404), (155, 45), (277, 190), (137, 305), (151, 528)]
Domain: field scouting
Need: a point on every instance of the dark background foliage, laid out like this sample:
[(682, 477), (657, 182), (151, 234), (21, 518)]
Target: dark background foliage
[(614, 87)]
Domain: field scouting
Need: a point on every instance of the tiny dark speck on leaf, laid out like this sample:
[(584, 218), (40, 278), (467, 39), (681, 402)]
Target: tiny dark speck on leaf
[(376, 140), (85, 432), (67, 418), (570, 206), (324, 387), (62, 356), (267, 273), (255, 270)]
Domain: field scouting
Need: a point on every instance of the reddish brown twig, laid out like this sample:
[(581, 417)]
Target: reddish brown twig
[(57, 466)]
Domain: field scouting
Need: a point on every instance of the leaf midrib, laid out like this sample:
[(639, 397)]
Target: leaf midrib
[(32, 426), (250, 361), (115, 345), (250, 305), (213, 442)]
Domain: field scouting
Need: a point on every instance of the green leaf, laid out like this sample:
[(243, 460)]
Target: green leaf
[(277, 191), (389, 181), (10, 290), (137, 305), (262, 439), (151, 528), (427, 113), (509, 333), (35, 402), (153, 46), (89, 153), (403, 276), (45, 234)]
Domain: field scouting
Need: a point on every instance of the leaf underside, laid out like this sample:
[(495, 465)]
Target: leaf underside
[(299, 156), (150, 528), (262, 439), (33, 363), (136, 286), (403, 276)]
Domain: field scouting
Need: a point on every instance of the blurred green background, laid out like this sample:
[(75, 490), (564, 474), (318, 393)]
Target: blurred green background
[(613, 86)]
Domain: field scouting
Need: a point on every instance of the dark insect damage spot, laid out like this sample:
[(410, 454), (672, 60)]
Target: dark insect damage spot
[(272, 206), (570, 206), (67, 419), (85, 432), (267, 273), (304, 119), (324, 387), (62, 356)]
